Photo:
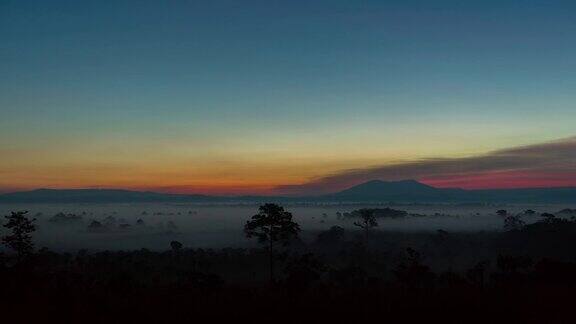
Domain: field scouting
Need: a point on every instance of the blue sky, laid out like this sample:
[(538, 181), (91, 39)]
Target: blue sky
[(252, 87)]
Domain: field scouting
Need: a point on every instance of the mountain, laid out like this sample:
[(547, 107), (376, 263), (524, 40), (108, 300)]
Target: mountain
[(414, 191), (406, 191), (97, 196), (377, 190)]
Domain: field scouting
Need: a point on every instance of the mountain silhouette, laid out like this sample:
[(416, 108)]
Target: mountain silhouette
[(97, 196), (377, 190), (410, 191), (405, 191), (417, 192)]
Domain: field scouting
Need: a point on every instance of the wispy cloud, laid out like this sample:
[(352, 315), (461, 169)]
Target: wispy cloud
[(538, 165)]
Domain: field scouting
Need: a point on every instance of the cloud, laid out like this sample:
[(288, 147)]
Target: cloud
[(538, 165)]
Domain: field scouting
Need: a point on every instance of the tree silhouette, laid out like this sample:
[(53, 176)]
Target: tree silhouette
[(332, 236), (176, 249), (412, 272), (446, 242), (502, 213), (96, 226), (20, 239), (513, 223), (547, 217), (477, 273), (302, 271), (367, 220), (270, 226)]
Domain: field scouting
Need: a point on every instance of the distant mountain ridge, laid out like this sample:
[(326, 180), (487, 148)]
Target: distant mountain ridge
[(97, 196), (405, 191), (414, 191), (377, 189)]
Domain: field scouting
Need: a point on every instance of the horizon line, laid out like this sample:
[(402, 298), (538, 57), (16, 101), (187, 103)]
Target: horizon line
[(159, 191)]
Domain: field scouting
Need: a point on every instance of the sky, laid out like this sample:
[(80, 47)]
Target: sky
[(286, 97)]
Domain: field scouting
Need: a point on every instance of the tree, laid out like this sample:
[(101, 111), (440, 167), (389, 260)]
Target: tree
[(412, 272), (547, 217), (272, 225), (96, 226), (367, 220), (477, 273), (513, 223), (176, 246), (446, 244), (302, 271), (502, 213), (332, 236), (20, 239)]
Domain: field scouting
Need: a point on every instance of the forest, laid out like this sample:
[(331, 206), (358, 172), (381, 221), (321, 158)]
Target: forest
[(524, 273)]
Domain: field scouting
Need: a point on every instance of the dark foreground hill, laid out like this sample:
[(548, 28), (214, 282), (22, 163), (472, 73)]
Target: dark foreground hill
[(375, 191)]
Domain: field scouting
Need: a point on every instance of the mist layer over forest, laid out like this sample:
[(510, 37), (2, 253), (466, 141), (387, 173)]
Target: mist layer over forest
[(153, 226), (336, 263)]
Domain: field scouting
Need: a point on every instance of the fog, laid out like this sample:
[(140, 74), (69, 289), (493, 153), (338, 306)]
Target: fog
[(217, 226)]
